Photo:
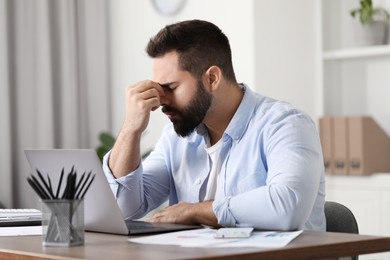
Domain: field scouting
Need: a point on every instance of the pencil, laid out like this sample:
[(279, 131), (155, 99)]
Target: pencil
[(59, 183), (86, 189), (45, 185)]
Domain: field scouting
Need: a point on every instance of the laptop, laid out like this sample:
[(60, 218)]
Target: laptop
[(20, 217), (101, 211)]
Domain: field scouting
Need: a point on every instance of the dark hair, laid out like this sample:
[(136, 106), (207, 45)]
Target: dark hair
[(200, 45)]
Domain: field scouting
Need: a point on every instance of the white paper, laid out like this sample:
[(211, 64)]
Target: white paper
[(266, 239), (20, 231), (206, 238)]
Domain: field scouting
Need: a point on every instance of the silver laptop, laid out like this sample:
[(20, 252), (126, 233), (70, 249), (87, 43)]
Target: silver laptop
[(101, 211)]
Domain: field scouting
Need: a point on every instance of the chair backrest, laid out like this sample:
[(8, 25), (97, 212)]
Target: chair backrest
[(339, 218)]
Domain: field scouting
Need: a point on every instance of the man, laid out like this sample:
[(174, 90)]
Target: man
[(229, 157)]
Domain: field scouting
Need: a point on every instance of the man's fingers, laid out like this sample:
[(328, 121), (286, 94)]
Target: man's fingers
[(145, 86), (145, 95), (150, 93)]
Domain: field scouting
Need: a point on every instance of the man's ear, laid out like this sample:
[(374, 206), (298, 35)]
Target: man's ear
[(213, 77)]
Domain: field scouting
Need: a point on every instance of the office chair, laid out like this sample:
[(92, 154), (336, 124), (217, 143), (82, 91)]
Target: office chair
[(340, 219)]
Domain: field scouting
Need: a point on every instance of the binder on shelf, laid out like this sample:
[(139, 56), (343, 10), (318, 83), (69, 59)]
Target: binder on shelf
[(326, 137), (369, 146), (340, 140)]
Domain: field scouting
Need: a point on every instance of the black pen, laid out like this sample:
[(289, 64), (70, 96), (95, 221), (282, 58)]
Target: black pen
[(82, 186), (50, 192), (74, 188), (59, 183), (50, 186), (35, 188), (39, 186), (67, 185), (86, 189), (79, 183)]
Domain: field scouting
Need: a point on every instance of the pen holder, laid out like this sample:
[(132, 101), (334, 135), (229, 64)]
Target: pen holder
[(63, 222)]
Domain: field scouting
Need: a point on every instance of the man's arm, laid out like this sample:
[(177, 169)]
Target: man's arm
[(293, 191), (188, 213), (141, 99)]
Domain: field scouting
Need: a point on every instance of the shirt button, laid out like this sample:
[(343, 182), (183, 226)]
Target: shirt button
[(198, 181)]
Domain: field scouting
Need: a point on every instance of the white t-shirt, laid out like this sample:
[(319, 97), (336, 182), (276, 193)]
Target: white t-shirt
[(213, 152)]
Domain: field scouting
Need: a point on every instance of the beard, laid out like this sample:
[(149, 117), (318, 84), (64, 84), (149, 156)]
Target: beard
[(193, 114)]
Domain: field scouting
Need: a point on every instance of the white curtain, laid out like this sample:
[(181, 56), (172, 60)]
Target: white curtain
[(54, 79)]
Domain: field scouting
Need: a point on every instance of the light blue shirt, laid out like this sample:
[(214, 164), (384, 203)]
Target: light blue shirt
[(272, 175)]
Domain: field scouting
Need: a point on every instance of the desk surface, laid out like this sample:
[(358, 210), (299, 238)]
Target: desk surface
[(309, 245)]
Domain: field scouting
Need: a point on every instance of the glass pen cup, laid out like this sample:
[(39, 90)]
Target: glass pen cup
[(63, 222)]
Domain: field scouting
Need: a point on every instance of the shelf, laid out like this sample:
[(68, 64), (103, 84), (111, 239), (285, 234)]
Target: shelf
[(362, 52)]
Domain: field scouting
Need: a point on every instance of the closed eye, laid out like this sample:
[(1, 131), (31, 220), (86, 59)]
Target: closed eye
[(169, 86)]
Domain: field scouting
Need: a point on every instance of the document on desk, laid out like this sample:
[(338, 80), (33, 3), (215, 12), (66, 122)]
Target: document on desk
[(206, 238), (20, 231)]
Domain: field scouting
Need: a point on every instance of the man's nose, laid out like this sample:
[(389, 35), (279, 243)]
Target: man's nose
[(164, 99)]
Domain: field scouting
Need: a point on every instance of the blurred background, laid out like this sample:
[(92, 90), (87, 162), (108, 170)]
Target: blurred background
[(64, 66)]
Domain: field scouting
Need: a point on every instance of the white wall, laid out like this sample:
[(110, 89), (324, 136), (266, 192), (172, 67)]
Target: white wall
[(135, 22), (286, 52), (273, 45)]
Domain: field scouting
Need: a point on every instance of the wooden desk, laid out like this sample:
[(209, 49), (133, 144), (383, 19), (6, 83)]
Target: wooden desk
[(309, 245)]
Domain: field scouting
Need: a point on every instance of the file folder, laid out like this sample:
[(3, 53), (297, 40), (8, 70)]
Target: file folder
[(340, 130), (369, 146), (326, 137)]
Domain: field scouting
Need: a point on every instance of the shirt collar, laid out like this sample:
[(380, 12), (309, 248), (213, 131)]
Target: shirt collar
[(243, 115), (241, 118)]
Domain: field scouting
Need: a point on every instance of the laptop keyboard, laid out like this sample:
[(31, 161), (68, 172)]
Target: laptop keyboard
[(139, 225), (19, 213), (20, 217), (142, 227)]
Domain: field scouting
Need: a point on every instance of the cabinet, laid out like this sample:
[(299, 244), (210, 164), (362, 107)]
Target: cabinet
[(355, 80), (368, 197)]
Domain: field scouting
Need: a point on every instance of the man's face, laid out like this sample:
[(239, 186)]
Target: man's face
[(186, 99), (186, 119)]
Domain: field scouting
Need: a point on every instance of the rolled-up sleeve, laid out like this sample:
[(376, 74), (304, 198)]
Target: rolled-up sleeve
[(222, 211), (123, 188)]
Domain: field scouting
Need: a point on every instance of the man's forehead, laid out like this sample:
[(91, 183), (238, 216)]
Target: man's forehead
[(165, 66), (171, 57)]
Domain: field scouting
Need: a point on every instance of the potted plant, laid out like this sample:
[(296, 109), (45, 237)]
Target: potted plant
[(375, 22), (107, 141)]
